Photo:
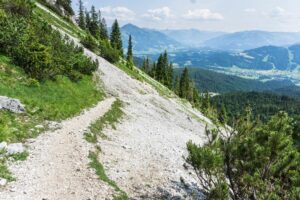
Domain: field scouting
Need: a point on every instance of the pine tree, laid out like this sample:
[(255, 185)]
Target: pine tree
[(153, 71), (184, 84), (177, 86), (104, 32), (87, 20), (81, 19), (116, 39), (130, 53), (94, 26), (165, 62), (248, 161), (146, 66), (160, 69), (170, 76)]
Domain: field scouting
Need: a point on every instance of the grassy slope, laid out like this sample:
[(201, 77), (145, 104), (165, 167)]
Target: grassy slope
[(56, 20), (50, 100)]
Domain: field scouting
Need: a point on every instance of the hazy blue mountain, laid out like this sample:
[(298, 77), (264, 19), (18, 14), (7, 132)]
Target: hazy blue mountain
[(263, 58), (252, 39), (264, 63), (191, 37), (148, 40)]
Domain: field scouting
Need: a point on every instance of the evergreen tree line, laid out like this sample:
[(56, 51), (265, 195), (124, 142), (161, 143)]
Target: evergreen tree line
[(162, 71), (99, 40), (33, 45), (61, 7), (250, 160)]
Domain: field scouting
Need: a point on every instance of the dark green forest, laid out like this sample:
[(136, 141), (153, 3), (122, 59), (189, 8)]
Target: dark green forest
[(210, 81), (263, 106)]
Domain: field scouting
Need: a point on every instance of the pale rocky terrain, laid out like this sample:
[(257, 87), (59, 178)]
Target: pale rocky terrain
[(144, 155)]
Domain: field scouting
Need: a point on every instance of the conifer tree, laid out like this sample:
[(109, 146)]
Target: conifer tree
[(116, 39), (248, 161), (94, 26), (153, 71), (130, 53), (160, 69), (146, 66), (104, 32), (170, 76), (184, 84), (177, 85), (87, 20), (81, 19)]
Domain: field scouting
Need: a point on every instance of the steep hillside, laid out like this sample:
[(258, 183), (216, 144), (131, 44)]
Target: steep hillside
[(139, 154)]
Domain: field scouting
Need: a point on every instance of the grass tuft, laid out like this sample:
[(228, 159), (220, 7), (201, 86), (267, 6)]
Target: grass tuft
[(100, 171), (111, 118)]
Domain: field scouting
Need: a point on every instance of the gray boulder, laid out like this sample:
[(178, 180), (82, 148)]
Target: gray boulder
[(13, 105), (3, 146), (3, 182), (15, 148)]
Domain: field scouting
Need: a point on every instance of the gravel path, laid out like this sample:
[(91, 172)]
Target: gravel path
[(144, 154), (57, 167)]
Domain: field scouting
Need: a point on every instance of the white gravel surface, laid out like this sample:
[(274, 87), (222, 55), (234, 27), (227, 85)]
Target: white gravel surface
[(144, 154), (57, 168)]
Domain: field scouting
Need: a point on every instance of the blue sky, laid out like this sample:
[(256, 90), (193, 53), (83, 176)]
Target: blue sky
[(217, 15)]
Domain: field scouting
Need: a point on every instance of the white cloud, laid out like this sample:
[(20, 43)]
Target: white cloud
[(278, 12), (159, 14), (120, 13), (250, 10), (193, 1), (204, 14)]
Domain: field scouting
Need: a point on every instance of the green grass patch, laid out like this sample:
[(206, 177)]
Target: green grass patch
[(5, 173), (68, 27), (49, 100), (139, 75), (100, 171), (111, 118), (20, 156)]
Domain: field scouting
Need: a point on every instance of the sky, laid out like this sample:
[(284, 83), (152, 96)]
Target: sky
[(211, 15)]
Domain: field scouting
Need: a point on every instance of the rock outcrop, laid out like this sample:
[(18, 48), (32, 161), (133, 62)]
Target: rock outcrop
[(13, 105)]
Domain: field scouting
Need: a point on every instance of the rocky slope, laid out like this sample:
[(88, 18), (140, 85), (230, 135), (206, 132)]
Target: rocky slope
[(144, 154)]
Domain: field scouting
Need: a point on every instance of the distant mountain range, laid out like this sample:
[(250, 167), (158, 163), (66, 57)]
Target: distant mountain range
[(150, 40), (191, 37), (262, 58), (240, 41)]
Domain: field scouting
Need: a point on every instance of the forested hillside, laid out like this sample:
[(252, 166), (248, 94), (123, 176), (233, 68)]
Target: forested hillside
[(210, 81), (263, 106)]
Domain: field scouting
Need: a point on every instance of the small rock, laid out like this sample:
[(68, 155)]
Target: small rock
[(15, 148), (3, 146), (3, 182), (13, 105), (39, 126)]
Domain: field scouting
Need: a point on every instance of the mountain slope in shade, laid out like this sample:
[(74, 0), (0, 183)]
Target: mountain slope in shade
[(210, 81), (192, 37), (148, 40), (252, 39), (263, 58)]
